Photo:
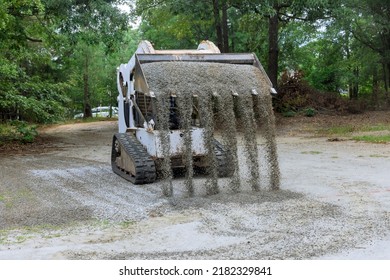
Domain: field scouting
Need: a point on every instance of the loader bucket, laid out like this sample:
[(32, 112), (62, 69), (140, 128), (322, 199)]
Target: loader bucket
[(141, 82)]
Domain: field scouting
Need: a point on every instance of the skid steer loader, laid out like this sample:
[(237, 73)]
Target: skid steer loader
[(137, 148)]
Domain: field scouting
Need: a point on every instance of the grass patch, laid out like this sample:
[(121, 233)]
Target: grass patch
[(16, 236), (20, 234), (92, 119), (311, 152), (345, 130), (378, 156), (50, 236), (126, 224), (6, 200), (337, 130), (373, 138), (379, 127)]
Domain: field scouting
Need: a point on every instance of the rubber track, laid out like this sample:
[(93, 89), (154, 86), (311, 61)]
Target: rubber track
[(145, 169)]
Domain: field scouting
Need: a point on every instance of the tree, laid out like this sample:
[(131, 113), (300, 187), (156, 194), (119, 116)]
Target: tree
[(183, 23), (370, 26), (220, 13), (86, 24), (40, 40), (29, 85), (175, 24), (284, 12)]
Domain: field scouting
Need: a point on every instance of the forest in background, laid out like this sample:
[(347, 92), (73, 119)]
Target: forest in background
[(59, 57)]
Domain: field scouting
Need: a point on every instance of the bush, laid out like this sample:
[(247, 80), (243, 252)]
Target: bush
[(288, 114), (295, 94), (28, 133), (18, 131), (309, 112)]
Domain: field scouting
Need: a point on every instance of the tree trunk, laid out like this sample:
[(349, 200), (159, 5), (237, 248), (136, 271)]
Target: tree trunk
[(217, 22), (232, 38), (225, 28), (354, 85), (386, 79), (87, 105), (375, 88), (351, 81), (273, 49)]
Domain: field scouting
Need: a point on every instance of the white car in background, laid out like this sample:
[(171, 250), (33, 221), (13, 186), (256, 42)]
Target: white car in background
[(104, 111), (101, 111)]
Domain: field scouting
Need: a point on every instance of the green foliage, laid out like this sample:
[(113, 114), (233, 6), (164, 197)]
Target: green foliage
[(309, 112), (94, 22), (27, 132), (288, 114), (315, 36), (92, 32), (252, 30), (29, 85), (6, 133), (42, 58), (175, 24), (100, 70), (17, 131)]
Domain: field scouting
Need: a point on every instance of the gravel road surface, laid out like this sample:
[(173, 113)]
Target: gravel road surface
[(65, 203)]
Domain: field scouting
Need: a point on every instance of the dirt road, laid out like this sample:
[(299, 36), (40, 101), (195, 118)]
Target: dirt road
[(65, 203)]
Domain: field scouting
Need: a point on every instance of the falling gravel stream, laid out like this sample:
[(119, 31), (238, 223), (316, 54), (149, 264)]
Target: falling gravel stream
[(233, 98)]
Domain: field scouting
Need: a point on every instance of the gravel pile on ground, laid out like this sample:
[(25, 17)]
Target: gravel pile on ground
[(269, 225), (54, 191)]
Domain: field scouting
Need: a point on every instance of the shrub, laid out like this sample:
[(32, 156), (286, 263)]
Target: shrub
[(18, 131), (27, 132), (309, 112), (294, 93), (288, 114)]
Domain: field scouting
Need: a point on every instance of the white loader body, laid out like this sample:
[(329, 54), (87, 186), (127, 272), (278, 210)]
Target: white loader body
[(146, 134)]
